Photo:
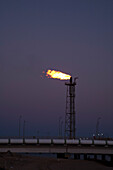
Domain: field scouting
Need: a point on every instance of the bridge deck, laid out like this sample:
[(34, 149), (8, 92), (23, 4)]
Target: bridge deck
[(57, 149)]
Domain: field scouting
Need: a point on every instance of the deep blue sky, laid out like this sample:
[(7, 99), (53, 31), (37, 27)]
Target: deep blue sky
[(73, 36)]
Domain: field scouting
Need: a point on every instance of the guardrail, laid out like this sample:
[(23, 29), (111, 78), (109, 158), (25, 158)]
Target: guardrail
[(56, 141)]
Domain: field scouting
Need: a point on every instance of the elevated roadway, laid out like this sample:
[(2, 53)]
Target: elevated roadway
[(72, 146), (80, 149)]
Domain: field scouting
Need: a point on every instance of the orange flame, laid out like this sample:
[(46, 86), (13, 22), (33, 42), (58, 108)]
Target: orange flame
[(57, 75)]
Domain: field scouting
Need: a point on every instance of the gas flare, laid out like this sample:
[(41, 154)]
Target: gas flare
[(57, 75)]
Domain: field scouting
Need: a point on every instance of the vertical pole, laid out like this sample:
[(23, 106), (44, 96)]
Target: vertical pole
[(103, 157), (24, 129), (97, 126), (19, 124), (37, 134), (112, 158), (85, 156), (95, 156), (60, 126)]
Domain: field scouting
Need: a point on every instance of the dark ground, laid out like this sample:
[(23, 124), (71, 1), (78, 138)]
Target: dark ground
[(9, 161)]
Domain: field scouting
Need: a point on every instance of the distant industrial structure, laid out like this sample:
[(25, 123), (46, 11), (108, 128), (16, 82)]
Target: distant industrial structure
[(70, 119)]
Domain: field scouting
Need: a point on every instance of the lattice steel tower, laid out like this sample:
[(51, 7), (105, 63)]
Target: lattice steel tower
[(70, 110)]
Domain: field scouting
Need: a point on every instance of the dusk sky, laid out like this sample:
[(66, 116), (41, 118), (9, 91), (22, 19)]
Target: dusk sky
[(73, 36)]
